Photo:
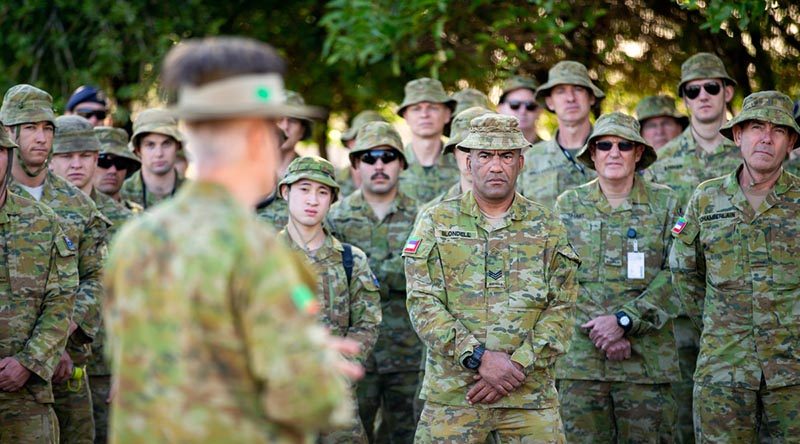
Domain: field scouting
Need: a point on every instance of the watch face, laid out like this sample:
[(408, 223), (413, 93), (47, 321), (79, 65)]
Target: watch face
[(625, 321)]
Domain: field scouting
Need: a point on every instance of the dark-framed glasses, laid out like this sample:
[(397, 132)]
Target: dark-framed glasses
[(528, 104), (605, 145), (692, 91), (99, 114), (372, 156)]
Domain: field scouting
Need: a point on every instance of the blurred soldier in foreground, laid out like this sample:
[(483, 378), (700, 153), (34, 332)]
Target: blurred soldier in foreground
[(518, 99), (211, 320), (735, 266), (614, 383), (491, 292), (659, 121)]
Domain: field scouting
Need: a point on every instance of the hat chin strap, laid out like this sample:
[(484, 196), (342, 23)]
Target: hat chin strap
[(22, 164)]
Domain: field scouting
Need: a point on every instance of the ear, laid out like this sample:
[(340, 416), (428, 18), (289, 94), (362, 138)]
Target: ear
[(469, 161), (521, 160), (737, 135), (639, 153), (284, 192), (549, 102), (728, 93)]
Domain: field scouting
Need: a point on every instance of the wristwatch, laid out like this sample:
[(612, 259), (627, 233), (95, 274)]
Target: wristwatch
[(473, 361), (624, 321)]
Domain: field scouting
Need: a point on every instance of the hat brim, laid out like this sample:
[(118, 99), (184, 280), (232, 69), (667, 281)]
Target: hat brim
[(683, 121), (544, 91), (224, 112), (451, 103), (493, 142), (649, 155)]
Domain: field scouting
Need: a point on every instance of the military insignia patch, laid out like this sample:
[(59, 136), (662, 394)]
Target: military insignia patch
[(679, 225), (495, 274), (69, 243), (304, 300), (412, 245)]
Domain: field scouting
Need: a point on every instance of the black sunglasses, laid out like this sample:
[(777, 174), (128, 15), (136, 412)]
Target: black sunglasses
[(106, 161), (606, 145), (515, 104), (88, 113), (385, 156), (692, 91)]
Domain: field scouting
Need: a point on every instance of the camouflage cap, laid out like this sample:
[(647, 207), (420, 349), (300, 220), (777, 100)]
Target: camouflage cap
[(765, 106), (460, 126), (567, 72), (74, 134), (154, 120), (620, 125), (376, 135), (5, 140), (360, 120), (312, 168), (115, 141), (470, 97), (425, 89), (496, 132), (514, 83), (659, 106), (703, 65), (26, 104)]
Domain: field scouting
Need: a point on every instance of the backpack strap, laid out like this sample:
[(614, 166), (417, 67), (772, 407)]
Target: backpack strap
[(347, 261)]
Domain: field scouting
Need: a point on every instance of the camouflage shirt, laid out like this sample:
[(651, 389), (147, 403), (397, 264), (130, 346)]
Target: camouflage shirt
[(549, 171), (352, 220), (209, 332), (345, 181), (134, 190), (274, 210), (425, 183), (736, 271), (512, 289), (38, 280), (603, 238)]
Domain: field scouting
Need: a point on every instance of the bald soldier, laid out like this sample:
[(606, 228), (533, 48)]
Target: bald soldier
[(238, 356), (491, 292)]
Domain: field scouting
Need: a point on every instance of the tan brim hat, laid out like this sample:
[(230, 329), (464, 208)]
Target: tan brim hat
[(703, 65), (659, 106), (374, 135), (425, 90), (567, 73), (765, 106), (74, 134), (623, 126), (494, 132), (312, 168)]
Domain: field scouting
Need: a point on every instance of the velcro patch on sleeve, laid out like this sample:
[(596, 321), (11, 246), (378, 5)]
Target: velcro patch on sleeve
[(412, 245)]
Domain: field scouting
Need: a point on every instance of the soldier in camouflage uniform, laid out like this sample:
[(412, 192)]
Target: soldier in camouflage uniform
[(614, 383), (792, 164), (491, 292), (347, 290), (114, 163), (735, 266), (518, 99), (427, 110), (659, 121), (378, 218), (346, 177), (212, 329), (28, 116), (551, 166), (38, 282), (156, 141), (699, 153)]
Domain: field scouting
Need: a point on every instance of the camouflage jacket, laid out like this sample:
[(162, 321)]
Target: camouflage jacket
[(352, 311), (345, 181), (682, 164), (453, 191), (87, 229), (352, 220), (425, 183), (134, 190), (792, 164), (512, 290), (601, 236), (38, 281), (736, 271), (211, 333), (274, 210), (549, 171)]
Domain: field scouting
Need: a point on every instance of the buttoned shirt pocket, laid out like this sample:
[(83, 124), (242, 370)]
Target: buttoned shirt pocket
[(588, 246), (721, 241), (464, 269), (527, 284)]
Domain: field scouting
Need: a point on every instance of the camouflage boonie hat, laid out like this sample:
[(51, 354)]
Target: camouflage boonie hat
[(495, 132), (567, 72), (74, 134), (26, 104), (377, 134), (659, 106), (154, 120), (514, 83), (312, 168), (460, 126), (5, 140), (115, 141), (765, 106), (425, 89), (295, 100), (703, 65), (360, 120), (620, 125), (468, 98)]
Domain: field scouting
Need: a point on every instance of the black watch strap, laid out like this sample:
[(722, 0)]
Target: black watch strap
[(473, 361), (624, 321)]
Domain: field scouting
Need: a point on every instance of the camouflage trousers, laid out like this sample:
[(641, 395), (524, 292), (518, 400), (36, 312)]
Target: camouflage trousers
[(393, 394), (446, 424), (354, 434), (609, 412), (734, 415), (100, 386), (23, 420), (74, 412), (688, 340)]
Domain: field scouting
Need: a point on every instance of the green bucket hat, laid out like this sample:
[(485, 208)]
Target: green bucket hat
[(425, 89), (460, 126), (26, 104), (377, 134), (74, 134), (115, 141), (154, 120), (567, 72), (468, 98), (620, 125), (360, 120), (659, 106), (766, 106), (311, 168), (703, 65), (5, 140), (514, 83), (496, 132)]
